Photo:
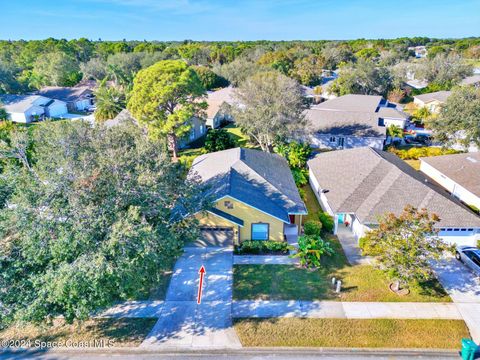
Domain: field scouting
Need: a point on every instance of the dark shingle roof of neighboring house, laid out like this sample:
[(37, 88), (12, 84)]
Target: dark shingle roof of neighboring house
[(357, 115), (392, 113), (258, 179), (471, 80), (370, 183), (351, 102), (67, 94), (440, 96), (344, 123), (464, 169)]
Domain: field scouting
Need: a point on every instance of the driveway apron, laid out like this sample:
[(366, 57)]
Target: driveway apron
[(183, 322)]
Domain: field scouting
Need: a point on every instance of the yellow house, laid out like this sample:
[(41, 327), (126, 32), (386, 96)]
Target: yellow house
[(254, 197)]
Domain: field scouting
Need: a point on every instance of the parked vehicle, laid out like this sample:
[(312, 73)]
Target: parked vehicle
[(470, 256)]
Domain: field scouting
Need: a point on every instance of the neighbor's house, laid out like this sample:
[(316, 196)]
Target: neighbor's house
[(459, 174), (218, 107), (473, 80), (28, 108), (420, 51), (198, 128), (254, 197), (432, 101), (357, 186), (77, 98), (351, 121)]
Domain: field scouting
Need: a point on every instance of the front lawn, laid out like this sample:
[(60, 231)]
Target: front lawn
[(289, 282), (359, 283), (111, 332), (358, 333)]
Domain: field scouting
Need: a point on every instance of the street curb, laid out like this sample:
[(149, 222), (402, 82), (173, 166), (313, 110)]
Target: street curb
[(243, 351)]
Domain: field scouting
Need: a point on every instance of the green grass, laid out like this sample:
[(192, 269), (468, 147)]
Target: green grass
[(122, 332), (311, 202), (240, 138), (357, 333)]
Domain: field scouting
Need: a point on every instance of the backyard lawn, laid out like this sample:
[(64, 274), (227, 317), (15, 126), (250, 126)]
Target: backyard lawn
[(113, 332), (372, 333)]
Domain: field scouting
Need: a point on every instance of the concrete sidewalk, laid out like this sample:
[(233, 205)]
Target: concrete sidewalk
[(347, 310)]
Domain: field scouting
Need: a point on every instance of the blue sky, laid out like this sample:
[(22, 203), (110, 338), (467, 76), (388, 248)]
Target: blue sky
[(237, 20)]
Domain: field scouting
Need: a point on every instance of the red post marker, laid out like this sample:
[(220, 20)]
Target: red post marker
[(201, 272)]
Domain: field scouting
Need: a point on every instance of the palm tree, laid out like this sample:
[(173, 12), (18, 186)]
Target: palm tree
[(395, 131), (109, 101)]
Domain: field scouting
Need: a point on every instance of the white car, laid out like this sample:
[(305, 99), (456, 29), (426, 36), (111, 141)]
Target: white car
[(470, 256)]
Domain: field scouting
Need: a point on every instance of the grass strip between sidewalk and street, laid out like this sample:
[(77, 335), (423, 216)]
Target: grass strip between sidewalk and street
[(125, 332), (357, 333)]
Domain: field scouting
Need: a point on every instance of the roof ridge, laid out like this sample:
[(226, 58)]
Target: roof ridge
[(266, 181)]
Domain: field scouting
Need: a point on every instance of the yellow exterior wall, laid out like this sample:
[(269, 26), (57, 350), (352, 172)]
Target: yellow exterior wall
[(248, 214)]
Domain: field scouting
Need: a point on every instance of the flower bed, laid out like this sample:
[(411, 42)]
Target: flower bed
[(259, 247)]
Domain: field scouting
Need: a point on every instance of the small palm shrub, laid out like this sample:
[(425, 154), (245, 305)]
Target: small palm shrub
[(310, 250)]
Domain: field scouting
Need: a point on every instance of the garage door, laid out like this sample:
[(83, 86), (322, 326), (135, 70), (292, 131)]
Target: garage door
[(215, 236)]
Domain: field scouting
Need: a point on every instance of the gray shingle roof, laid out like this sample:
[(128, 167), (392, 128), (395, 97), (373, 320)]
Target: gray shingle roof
[(440, 96), (21, 103), (371, 182), (344, 123), (357, 115), (352, 102), (261, 180), (464, 169), (67, 94)]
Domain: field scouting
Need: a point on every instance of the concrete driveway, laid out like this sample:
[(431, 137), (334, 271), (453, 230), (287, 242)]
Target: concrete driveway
[(463, 286), (183, 322)]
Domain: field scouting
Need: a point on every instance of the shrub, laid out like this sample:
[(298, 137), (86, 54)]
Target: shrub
[(256, 247), (310, 250), (417, 152), (327, 221), (312, 228), (300, 176), (218, 140)]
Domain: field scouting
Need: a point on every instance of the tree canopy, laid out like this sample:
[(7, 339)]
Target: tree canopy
[(92, 219), (164, 97), (272, 106), (459, 118)]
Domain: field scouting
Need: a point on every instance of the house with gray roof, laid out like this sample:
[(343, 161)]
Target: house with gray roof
[(77, 98), (253, 193), (432, 101), (27, 108), (459, 174), (197, 130), (351, 121), (473, 80), (219, 103), (357, 186)]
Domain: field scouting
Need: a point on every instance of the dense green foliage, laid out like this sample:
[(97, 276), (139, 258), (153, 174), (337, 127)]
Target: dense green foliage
[(257, 247), (459, 119), (92, 219), (163, 99), (219, 139), (404, 245), (415, 153), (311, 248), (109, 101), (327, 221), (312, 227), (27, 65)]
